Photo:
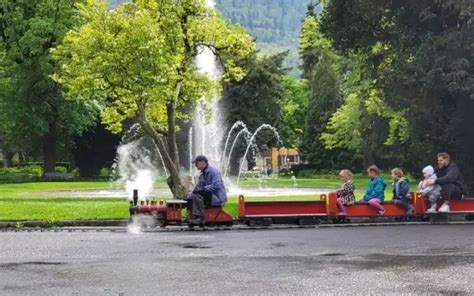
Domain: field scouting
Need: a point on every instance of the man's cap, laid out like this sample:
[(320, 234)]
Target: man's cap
[(200, 158)]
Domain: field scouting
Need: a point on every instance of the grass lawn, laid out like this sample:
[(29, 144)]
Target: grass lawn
[(25, 201), (30, 201)]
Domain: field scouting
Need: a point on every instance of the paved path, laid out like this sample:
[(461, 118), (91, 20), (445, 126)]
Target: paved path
[(429, 259)]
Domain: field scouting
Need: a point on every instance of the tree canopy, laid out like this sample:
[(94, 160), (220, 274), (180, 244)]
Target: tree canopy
[(34, 112)]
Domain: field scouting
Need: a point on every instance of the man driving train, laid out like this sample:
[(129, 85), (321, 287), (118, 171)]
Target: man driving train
[(209, 190)]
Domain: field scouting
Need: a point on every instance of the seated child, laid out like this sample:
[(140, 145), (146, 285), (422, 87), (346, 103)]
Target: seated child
[(375, 191), (345, 195), (431, 192), (401, 191)]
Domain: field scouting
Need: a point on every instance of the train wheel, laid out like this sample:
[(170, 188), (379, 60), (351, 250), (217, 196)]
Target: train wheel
[(425, 219)]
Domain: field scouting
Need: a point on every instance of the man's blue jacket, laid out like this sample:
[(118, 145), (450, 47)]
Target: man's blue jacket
[(211, 181)]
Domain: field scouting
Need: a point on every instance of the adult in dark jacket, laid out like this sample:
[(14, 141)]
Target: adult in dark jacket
[(450, 178), (209, 190)]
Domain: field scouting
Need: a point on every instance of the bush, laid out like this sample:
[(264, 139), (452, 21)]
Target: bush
[(250, 175), (285, 173), (21, 174), (76, 173), (60, 169), (64, 164), (105, 173)]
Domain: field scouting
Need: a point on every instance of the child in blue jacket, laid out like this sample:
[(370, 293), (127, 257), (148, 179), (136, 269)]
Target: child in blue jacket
[(374, 195), (401, 191)]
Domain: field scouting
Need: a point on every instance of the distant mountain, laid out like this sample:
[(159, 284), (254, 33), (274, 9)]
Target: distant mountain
[(115, 3), (274, 23)]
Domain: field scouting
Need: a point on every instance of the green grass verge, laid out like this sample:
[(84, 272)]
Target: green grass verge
[(26, 201), (55, 209)]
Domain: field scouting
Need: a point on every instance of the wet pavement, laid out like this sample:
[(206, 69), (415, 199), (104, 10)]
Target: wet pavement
[(396, 260)]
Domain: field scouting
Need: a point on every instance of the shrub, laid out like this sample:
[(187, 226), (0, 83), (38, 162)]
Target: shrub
[(64, 164), (105, 173), (60, 169), (76, 173), (250, 175), (21, 174)]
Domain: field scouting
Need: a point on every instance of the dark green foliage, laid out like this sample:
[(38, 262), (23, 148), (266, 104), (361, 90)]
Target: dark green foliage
[(325, 97), (24, 174), (95, 150), (257, 98), (34, 113), (294, 111)]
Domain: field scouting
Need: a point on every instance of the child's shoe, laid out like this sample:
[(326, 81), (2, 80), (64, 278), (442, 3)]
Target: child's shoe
[(444, 208), (382, 212), (432, 209), (410, 212)]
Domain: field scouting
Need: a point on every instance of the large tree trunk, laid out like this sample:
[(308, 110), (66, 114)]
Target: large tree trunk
[(49, 150), (7, 158)]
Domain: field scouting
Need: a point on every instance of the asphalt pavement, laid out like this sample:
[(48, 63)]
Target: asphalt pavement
[(393, 260)]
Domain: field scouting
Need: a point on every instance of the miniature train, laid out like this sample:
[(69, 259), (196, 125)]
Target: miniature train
[(291, 212)]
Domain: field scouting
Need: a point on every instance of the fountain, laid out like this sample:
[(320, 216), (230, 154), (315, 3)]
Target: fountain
[(135, 168), (135, 165), (236, 125), (247, 134), (252, 139), (207, 119)]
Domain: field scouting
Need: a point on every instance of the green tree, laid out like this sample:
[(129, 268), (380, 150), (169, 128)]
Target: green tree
[(311, 42), (293, 110), (33, 109), (419, 55), (364, 124), (325, 97), (138, 61), (321, 69)]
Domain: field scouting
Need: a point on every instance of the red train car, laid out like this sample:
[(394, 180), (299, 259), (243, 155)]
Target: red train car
[(326, 209)]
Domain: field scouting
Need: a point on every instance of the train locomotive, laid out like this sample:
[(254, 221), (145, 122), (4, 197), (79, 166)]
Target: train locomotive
[(308, 212)]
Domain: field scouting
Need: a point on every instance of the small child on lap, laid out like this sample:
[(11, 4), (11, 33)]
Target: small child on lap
[(431, 192), (345, 195), (374, 195), (401, 191)]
